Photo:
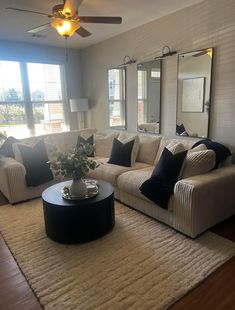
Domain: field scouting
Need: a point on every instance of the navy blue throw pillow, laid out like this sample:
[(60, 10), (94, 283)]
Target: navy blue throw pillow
[(221, 151), (160, 186), (157, 191), (6, 149), (121, 153), (36, 164), (89, 141), (180, 129), (169, 166)]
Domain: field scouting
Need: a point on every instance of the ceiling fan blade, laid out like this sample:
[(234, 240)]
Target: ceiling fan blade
[(39, 28), (28, 11), (83, 32), (100, 19), (71, 7)]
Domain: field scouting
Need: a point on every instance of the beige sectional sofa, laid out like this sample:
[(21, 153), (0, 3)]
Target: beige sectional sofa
[(198, 203)]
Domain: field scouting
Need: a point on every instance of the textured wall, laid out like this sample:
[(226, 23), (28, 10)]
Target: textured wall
[(31, 52), (208, 24)]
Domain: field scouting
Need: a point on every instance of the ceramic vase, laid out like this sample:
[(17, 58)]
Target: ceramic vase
[(78, 188)]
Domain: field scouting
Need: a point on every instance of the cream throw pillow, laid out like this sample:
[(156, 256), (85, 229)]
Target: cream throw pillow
[(125, 137), (175, 148), (197, 162)]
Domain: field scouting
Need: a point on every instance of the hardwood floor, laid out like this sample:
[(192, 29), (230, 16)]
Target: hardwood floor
[(216, 292), (15, 293), (3, 199)]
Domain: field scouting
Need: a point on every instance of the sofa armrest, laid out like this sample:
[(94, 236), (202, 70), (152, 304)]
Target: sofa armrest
[(204, 200), (12, 175)]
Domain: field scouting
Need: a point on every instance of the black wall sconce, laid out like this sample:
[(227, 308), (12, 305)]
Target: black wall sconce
[(166, 51), (127, 60)]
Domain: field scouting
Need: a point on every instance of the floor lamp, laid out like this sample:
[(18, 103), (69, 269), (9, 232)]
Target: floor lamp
[(79, 105)]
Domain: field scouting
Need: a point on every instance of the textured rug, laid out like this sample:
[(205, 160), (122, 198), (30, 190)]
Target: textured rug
[(141, 264)]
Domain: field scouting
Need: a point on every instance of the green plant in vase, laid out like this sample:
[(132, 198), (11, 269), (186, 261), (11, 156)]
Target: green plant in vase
[(75, 164)]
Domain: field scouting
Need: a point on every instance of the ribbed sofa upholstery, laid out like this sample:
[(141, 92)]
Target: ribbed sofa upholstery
[(198, 202)]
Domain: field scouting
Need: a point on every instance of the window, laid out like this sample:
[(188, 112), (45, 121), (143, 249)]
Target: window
[(31, 98), (12, 111), (149, 99), (142, 96), (117, 100)]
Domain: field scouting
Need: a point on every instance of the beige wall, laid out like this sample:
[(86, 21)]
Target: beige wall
[(208, 24), (30, 52)]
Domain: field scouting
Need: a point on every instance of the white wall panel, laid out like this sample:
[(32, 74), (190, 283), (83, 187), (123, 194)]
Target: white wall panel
[(207, 24)]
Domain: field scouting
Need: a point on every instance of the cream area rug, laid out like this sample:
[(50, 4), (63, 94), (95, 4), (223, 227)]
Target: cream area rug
[(140, 265)]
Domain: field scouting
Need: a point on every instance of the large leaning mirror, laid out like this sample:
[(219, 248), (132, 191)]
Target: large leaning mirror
[(149, 97), (194, 88), (117, 98)]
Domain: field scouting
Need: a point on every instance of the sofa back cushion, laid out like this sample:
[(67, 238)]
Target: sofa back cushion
[(71, 137), (103, 141), (187, 143), (148, 148), (67, 140), (57, 139)]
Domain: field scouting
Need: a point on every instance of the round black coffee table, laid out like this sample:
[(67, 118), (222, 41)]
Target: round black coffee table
[(78, 221)]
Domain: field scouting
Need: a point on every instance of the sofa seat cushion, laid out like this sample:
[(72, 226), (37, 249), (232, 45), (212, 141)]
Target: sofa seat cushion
[(109, 172), (131, 181)]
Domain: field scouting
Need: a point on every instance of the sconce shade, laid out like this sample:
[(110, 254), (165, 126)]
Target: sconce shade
[(65, 27), (79, 105)]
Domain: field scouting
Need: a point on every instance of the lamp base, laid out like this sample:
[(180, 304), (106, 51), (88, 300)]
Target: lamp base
[(81, 120)]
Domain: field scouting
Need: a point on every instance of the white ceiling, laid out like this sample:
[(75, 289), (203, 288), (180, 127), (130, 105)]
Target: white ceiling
[(14, 25)]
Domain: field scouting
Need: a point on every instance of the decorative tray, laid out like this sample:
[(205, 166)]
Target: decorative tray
[(92, 190)]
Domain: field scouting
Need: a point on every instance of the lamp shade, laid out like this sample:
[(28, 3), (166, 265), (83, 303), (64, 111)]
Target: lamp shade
[(79, 105)]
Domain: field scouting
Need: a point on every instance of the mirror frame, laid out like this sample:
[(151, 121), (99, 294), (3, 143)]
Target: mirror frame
[(125, 109), (210, 90), (160, 98)]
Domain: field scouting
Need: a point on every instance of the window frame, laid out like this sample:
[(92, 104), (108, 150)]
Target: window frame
[(27, 103), (122, 100)]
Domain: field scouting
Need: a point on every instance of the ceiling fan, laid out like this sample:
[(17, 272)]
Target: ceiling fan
[(66, 21)]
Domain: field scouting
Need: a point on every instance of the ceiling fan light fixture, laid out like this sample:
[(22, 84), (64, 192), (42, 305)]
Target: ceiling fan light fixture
[(65, 27)]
